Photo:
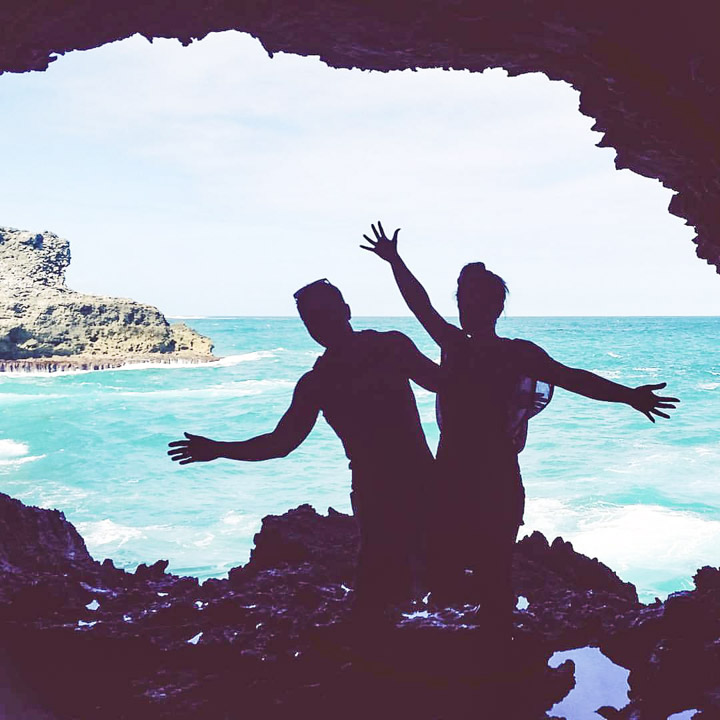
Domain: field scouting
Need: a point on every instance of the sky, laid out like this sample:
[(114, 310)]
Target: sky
[(215, 180)]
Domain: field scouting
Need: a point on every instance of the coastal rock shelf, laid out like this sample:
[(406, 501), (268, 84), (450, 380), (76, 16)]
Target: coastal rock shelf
[(649, 73), (276, 639), (45, 326)]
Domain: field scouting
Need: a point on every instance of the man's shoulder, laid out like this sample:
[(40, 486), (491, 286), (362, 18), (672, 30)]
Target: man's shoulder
[(389, 344), (385, 337), (308, 383)]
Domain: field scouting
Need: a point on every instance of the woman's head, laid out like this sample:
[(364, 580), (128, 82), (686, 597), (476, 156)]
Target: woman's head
[(481, 297)]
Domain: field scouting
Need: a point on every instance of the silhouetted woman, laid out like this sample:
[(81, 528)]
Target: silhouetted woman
[(490, 386)]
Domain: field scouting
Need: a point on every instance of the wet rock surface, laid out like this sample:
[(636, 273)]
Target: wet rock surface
[(277, 638), (649, 73), (46, 326)]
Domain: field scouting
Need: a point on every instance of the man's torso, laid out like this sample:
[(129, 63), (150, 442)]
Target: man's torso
[(365, 396)]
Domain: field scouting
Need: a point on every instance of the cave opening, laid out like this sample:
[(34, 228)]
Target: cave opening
[(83, 164), (217, 139)]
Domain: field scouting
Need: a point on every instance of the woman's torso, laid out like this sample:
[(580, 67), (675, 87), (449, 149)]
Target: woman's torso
[(477, 453)]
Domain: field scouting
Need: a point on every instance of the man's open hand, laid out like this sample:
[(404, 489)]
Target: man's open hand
[(382, 245), (648, 403), (195, 449)]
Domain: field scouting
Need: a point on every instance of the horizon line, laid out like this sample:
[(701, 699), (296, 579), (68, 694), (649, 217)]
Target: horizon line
[(454, 317)]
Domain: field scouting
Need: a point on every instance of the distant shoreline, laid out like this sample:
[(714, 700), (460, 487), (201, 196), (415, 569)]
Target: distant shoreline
[(84, 363)]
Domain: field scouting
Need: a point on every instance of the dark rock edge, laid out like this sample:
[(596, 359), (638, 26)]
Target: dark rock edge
[(648, 73), (275, 639)]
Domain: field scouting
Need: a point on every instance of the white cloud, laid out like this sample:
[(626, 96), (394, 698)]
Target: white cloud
[(212, 179)]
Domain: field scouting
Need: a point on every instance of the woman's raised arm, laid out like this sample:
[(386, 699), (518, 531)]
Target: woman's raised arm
[(414, 294)]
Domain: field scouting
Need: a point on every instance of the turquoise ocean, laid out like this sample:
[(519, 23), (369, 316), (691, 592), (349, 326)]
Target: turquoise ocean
[(643, 498)]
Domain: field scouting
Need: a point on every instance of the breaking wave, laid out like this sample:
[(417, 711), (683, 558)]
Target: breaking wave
[(644, 544), (14, 453), (236, 388)]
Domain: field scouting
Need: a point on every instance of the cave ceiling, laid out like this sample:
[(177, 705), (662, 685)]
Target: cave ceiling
[(648, 71)]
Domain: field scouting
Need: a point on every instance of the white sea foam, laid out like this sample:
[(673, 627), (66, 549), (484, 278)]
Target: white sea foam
[(230, 360), (614, 355), (598, 682), (421, 392), (35, 374), (239, 523), (55, 495), (236, 388), (12, 449), (20, 461), (428, 416), (179, 364), (204, 541), (13, 453), (645, 544), (16, 398), (170, 364), (647, 369), (709, 386), (105, 532), (661, 466), (233, 518)]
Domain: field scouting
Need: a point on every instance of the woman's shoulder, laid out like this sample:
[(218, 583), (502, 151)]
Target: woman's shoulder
[(521, 345), (524, 349), (454, 336)]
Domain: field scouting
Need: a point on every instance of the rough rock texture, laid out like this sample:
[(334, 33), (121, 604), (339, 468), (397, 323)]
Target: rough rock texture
[(43, 323), (275, 639), (34, 540), (648, 72)]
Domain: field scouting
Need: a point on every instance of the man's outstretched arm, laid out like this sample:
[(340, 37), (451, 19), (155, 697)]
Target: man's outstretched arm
[(583, 382), (294, 426), (410, 287)]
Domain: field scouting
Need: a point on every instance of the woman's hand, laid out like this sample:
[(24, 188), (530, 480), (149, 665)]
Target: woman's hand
[(647, 402), (195, 449), (382, 246)]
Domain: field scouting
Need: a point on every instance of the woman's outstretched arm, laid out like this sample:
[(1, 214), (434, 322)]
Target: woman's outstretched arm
[(412, 291), (643, 398)]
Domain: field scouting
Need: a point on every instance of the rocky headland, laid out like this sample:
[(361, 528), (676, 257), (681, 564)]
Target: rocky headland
[(44, 325), (276, 638)]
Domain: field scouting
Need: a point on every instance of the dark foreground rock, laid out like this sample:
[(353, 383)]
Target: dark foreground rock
[(276, 639)]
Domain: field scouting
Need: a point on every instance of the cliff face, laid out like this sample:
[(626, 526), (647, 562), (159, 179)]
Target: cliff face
[(276, 639), (40, 317)]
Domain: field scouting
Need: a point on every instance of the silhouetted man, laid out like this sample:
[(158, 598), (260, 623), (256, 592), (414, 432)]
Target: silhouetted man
[(361, 385)]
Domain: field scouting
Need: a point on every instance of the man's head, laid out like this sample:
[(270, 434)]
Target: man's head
[(324, 311), (481, 297)]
